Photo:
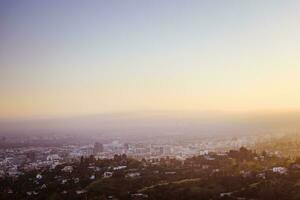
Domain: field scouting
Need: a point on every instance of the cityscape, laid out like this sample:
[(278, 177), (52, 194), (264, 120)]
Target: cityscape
[(16, 161), (74, 171), (149, 100)]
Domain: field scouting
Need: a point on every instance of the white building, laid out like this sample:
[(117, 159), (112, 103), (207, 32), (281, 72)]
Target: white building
[(107, 174), (120, 167), (53, 157), (280, 170), (39, 176)]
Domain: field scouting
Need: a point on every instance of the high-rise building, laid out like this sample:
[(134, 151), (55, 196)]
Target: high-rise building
[(161, 150), (98, 148), (126, 146)]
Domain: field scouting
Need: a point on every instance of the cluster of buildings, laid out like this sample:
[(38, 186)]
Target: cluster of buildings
[(15, 161), (69, 173)]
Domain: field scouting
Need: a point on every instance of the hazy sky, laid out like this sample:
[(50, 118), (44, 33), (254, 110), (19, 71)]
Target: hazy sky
[(60, 57)]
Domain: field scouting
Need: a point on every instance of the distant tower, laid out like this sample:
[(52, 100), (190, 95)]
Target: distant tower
[(161, 150), (126, 146), (98, 148)]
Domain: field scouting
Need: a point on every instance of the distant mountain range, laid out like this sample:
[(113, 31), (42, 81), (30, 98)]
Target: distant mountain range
[(156, 123)]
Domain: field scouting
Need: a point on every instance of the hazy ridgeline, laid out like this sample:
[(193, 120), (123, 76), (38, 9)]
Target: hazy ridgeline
[(141, 124)]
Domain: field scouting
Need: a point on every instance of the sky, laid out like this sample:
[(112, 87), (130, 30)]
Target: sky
[(66, 58)]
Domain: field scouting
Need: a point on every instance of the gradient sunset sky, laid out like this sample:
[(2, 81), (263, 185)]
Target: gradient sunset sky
[(63, 58)]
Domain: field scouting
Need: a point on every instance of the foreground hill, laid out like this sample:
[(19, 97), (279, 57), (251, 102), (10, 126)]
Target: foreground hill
[(239, 175)]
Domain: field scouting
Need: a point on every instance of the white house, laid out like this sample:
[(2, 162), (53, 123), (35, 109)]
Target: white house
[(39, 176), (107, 174), (280, 170)]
